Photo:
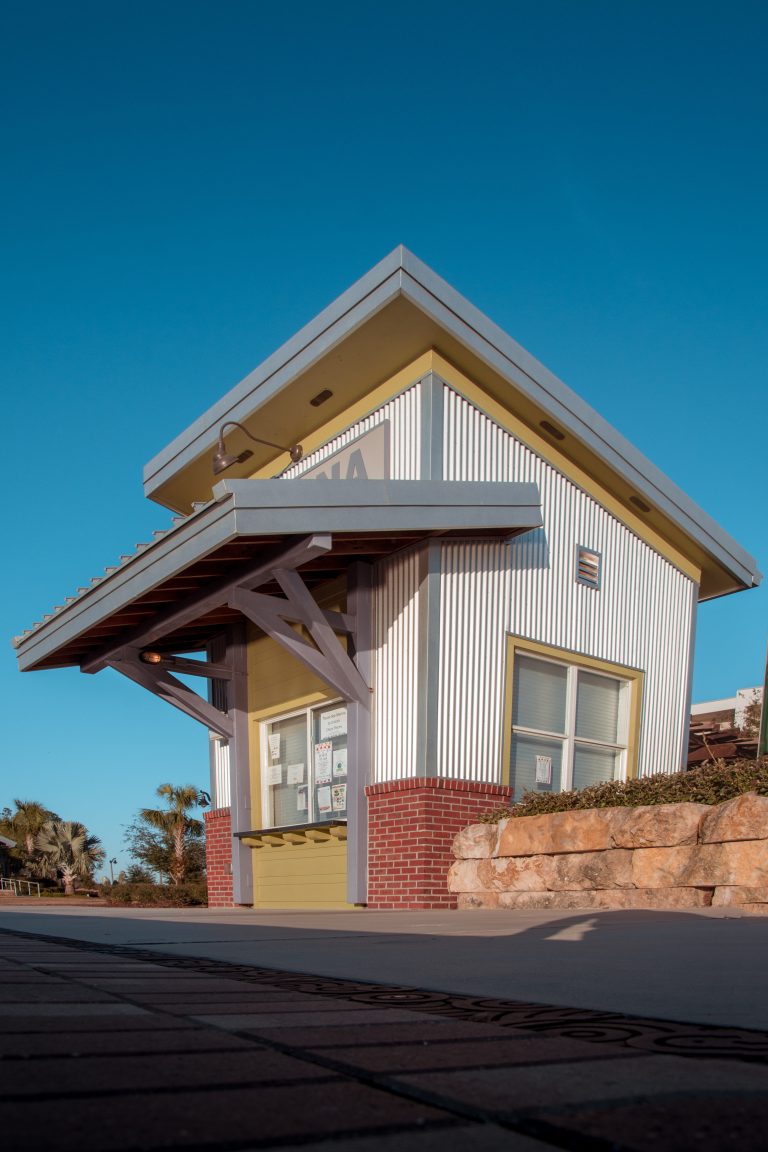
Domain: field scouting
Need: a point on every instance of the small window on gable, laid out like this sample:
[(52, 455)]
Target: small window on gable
[(588, 566)]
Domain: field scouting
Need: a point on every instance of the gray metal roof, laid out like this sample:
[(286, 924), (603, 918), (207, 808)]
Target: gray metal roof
[(402, 276)]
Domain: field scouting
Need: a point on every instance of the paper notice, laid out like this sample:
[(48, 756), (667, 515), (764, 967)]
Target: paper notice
[(543, 769), (333, 723), (274, 774), (339, 797), (295, 773), (301, 799), (324, 799), (274, 746), (323, 762), (340, 762)]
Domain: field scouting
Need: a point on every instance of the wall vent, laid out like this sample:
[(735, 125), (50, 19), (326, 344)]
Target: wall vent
[(588, 566)]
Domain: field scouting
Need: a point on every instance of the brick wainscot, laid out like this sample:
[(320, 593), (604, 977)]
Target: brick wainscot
[(411, 826), (218, 857)]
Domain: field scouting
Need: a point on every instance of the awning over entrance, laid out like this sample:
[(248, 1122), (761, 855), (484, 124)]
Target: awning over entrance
[(192, 582)]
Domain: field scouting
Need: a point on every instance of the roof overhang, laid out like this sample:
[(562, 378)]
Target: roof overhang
[(395, 313), (176, 590)]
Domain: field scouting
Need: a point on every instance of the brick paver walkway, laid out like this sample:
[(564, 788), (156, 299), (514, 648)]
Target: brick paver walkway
[(117, 1049)]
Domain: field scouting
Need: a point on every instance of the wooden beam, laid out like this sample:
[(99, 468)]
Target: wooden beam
[(249, 576), (325, 657), (160, 682)]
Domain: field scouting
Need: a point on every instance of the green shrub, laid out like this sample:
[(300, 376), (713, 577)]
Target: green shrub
[(708, 784), (148, 895)]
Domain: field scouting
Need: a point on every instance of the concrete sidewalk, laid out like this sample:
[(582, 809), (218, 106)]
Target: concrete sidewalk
[(706, 967), (119, 1047)]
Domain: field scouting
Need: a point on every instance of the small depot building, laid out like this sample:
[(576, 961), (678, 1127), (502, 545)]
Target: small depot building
[(413, 575)]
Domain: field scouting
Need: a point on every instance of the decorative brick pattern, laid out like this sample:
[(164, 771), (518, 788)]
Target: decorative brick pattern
[(218, 857), (411, 826)]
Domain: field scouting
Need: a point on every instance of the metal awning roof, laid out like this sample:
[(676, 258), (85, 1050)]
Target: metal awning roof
[(179, 576)]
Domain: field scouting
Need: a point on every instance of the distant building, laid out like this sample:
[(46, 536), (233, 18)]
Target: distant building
[(427, 576), (730, 711)]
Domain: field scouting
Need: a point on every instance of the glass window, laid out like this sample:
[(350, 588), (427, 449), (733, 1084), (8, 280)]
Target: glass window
[(304, 767), (539, 696), (569, 726)]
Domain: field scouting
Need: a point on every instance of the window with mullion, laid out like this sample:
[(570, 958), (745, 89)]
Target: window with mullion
[(569, 726)]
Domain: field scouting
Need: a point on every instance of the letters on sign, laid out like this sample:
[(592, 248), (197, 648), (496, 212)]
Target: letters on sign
[(366, 458)]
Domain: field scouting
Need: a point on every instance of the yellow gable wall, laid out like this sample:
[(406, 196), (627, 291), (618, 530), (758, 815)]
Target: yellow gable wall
[(312, 874)]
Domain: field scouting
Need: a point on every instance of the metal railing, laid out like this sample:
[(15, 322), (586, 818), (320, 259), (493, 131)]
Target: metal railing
[(19, 887)]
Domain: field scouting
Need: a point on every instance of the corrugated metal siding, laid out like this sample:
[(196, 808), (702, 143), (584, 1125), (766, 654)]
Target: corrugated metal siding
[(396, 668), (395, 593), (220, 789), (404, 413), (640, 617)]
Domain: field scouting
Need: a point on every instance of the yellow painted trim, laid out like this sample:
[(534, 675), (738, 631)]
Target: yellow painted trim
[(385, 391), (634, 676), (562, 463)]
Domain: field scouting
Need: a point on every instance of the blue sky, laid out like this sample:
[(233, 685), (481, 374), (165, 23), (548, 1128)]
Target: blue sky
[(183, 185)]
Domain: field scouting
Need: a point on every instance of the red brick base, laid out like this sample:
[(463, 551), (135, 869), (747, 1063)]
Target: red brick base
[(411, 825), (218, 857)]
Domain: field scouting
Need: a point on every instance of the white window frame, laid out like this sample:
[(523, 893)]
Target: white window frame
[(312, 818), (568, 737)]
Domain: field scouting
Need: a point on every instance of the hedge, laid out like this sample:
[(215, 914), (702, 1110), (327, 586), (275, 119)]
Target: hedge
[(146, 895), (707, 784)]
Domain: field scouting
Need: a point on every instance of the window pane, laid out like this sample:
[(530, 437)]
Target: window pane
[(597, 707), (593, 765), (539, 694), (288, 794), (329, 733), (522, 775)]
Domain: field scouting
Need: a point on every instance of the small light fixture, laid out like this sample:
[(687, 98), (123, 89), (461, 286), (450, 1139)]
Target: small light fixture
[(223, 459), (149, 657), (638, 503), (321, 398), (552, 430)]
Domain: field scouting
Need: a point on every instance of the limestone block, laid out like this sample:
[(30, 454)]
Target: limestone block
[(743, 818), (743, 863), (463, 877), (478, 899), (477, 842), (616, 898), (663, 867), (585, 870), (656, 825), (580, 831), (525, 873), (728, 895)]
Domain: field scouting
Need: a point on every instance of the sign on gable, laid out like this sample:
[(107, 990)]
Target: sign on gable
[(366, 458)]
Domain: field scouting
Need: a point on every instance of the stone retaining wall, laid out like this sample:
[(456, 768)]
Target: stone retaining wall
[(658, 856)]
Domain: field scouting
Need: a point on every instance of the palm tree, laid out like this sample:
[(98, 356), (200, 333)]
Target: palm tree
[(24, 825), (28, 821), (174, 823), (69, 848)]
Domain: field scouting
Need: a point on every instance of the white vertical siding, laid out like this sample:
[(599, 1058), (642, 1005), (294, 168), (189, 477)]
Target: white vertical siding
[(396, 668), (404, 414), (641, 616), (220, 776)]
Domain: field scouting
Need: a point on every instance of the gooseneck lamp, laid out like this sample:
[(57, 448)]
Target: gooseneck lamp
[(223, 459)]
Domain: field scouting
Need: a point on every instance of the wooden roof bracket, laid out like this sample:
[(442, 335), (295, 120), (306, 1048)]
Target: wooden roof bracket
[(325, 655)]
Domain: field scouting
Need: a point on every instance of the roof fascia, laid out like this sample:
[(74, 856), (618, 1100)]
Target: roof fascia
[(298, 506), (356, 305)]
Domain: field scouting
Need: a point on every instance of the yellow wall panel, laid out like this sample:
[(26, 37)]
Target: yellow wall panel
[(309, 875)]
